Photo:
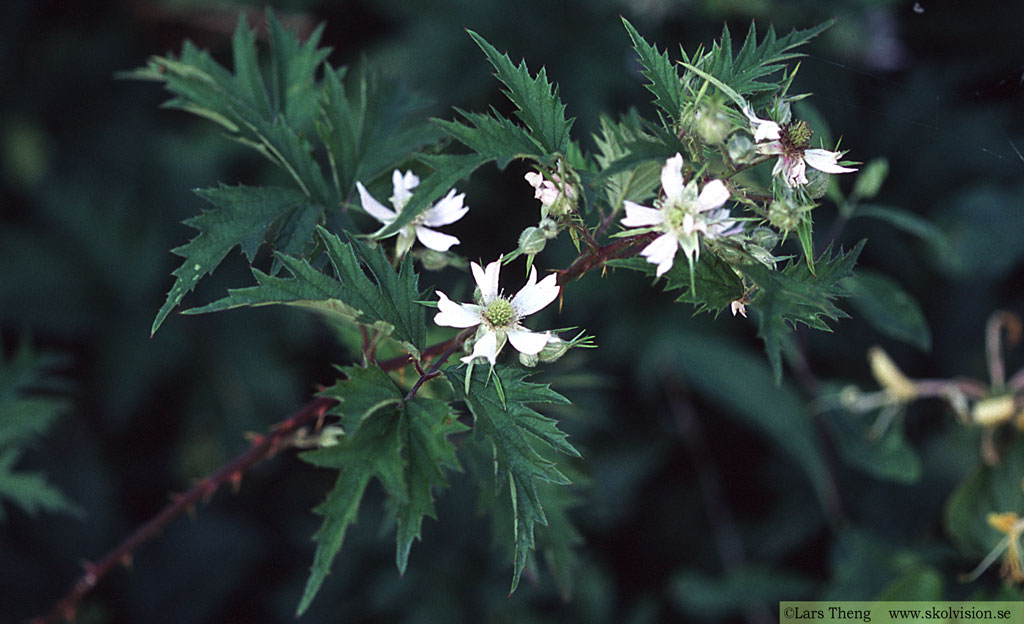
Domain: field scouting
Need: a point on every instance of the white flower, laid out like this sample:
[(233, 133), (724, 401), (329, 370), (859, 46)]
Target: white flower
[(448, 210), (683, 215), (498, 317), (763, 129), (738, 307), (790, 144)]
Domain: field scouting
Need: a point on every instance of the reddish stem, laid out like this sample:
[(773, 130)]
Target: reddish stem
[(262, 448), (266, 446)]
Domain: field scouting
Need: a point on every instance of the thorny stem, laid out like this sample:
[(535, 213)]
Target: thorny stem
[(265, 446), (262, 447), (597, 257)]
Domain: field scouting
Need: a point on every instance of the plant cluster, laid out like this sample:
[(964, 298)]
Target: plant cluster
[(713, 196)]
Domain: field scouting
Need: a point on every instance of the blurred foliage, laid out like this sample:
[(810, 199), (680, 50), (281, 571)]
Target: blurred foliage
[(701, 476)]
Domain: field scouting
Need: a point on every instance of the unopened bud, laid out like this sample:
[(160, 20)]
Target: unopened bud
[(527, 360), (433, 260), (784, 215), (532, 240), (711, 124), (554, 349), (741, 148), (763, 237)]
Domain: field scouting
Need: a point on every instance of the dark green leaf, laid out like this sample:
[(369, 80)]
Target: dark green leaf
[(754, 61), (730, 376), (493, 137), (536, 99), (387, 302), (519, 438), (664, 79), (24, 417), (403, 444), (245, 216), (887, 457), (369, 127), (275, 126), (795, 295), (888, 308), (987, 489)]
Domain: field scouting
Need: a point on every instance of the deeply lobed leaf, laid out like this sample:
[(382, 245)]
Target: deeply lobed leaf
[(536, 99), (520, 438), (401, 443)]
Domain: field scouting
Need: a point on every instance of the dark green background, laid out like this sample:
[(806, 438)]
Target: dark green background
[(96, 181)]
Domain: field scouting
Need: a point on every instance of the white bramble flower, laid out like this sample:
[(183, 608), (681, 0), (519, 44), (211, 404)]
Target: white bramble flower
[(446, 211), (498, 317), (790, 142), (683, 215)]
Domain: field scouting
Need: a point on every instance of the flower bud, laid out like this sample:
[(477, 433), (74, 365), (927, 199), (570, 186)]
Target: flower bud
[(784, 215), (765, 238), (741, 148), (433, 260), (532, 240), (554, 349), (527, 360), (711, 124)]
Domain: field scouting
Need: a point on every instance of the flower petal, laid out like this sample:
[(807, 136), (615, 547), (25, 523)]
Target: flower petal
[(672, 178), (713, 195), (453, 314), (528, 342), (763, 128), (402, 185), (641, 216), (662, 252), (373, 207), (824, 160), (487, 280), (432, 239), (535, 295), (486, 346), (447, 210)]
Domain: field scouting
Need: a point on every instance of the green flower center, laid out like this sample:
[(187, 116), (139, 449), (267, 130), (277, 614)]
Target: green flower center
[(500, 313), (798, 135)]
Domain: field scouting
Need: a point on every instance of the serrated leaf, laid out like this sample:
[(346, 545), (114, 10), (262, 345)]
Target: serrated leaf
[(665, 82), (795, 295), (402, 444), (754, 61), (369, 125), (24, 417), (275, 123), (616, 144), (519, 437), (387, 302), (536, 99), (245, 216), (888, 308), (493, 137)]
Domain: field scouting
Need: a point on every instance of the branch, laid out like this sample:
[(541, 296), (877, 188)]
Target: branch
[(262, 448)]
